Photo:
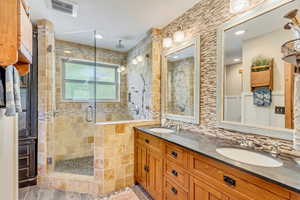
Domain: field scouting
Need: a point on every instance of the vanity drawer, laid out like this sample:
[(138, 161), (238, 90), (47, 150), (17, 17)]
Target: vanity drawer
[(150, 141), (177, 154), (233, 181), (177, 174), (174, 192)]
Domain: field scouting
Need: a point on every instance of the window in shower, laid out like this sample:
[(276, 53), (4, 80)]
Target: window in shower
[(79, 81)]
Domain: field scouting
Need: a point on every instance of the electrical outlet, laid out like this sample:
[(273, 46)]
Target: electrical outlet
[(280, 110)]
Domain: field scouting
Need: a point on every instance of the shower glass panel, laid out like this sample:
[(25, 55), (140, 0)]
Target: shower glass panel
[(123, 85), (75, 93)]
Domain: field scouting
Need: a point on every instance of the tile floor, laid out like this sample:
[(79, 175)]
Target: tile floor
[(81, 166), (36, 193)]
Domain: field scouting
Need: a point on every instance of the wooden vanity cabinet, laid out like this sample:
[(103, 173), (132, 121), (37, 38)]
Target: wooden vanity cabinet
[(187, 175), (149, 164)]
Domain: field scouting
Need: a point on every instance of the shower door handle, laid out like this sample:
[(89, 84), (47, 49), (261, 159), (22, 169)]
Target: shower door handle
[(89, 114)]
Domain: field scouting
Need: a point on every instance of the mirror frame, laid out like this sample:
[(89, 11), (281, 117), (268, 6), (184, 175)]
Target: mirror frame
[(189, 119), (280, 133)]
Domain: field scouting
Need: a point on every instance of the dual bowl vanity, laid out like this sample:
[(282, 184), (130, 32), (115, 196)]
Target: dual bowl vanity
[(184, 165)]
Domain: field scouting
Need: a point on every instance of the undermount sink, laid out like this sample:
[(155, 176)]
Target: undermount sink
[(249, 157), (161, 130)]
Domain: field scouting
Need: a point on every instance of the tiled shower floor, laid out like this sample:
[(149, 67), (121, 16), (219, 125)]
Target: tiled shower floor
[(81, 166)]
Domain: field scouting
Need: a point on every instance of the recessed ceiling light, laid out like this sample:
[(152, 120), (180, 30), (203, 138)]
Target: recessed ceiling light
[(98, 36), (240, 32), (175, 57), (67, 52), (237, 60)]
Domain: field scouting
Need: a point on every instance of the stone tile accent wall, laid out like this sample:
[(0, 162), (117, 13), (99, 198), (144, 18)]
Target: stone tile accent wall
[(203, 19), (140, 79)]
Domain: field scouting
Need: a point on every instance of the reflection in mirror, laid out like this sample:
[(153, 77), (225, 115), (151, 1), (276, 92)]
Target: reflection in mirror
[(180, 86), (258, 89), (181, 82)]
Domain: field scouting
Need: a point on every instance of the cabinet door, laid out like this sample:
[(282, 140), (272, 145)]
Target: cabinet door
[(202, 191), (155, 174), (141, 165)]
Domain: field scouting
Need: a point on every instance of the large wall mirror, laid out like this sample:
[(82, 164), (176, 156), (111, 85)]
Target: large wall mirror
[(181, 80), (255, 86)]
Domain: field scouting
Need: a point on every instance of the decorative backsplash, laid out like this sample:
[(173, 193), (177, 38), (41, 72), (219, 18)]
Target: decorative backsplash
[(204, 19)]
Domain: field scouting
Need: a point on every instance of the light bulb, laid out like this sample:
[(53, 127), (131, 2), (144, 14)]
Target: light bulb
[(122, 68), (238, 5), (167, 42), (178, 36), (98, 36), (140, 58), (240, 32), (134, 61)]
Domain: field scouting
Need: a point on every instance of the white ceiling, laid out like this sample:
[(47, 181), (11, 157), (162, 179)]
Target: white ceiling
[(259, 26), (128, 20)]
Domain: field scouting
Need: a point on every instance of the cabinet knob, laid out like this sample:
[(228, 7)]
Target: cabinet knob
[(147, 141), (174, 172), (174, 154), (229, 181), (146, 168), (174, 190)]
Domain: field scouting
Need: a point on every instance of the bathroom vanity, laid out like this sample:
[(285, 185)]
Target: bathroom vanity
[(184, 165)]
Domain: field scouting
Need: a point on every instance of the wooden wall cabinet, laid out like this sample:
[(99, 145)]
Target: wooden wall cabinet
[(190, 176), (15, 35)]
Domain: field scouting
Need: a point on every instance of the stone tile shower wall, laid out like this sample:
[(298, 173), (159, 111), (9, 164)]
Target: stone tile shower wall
[(203, 20), (113, 144), (71, 129), (140, 80)]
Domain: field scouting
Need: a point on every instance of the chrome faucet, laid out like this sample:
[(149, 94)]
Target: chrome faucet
[(275, 150)]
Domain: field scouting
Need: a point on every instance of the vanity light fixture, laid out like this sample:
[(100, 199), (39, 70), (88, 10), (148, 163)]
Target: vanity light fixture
[(240, 32), (237, 6), (179, 35), (167, 42)]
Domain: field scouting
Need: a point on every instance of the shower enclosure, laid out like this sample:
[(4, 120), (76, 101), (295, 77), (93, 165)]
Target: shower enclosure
[(75, 72)]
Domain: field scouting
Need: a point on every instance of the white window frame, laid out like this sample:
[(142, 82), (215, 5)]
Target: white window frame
[(92, 64)]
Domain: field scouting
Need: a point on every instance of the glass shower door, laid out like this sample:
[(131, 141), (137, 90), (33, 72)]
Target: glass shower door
[(75, 89)]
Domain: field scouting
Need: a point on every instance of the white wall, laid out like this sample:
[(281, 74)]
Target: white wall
[(268, 45), (8, 158), (233, 80)]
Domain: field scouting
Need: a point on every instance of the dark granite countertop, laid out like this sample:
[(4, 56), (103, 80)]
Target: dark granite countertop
[(287, 176)]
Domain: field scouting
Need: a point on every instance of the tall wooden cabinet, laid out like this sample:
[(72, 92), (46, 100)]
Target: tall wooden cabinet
[(28, 124)]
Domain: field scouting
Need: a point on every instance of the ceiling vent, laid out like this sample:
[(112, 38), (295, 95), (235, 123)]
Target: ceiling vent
[(64, 6)]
